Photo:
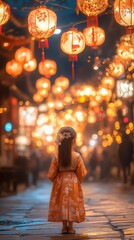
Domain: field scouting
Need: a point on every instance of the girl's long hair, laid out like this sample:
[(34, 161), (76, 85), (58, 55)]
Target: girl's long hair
[(65, 149)]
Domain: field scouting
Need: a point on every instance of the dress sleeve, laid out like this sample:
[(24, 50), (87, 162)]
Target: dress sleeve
[(81, 170), (53, 170)]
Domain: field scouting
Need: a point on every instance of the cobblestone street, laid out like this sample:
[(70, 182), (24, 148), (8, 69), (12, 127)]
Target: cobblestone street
[(109, 214)]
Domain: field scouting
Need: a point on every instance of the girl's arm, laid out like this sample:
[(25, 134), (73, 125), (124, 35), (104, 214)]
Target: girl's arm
[(53, 170), (81, 170)]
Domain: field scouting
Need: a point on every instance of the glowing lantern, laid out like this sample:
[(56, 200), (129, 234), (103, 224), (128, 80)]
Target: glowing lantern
[(47, 67), (116, 69), (57, 90), (42, 24), (94, 36), (30, 65), (124, 12), (105, 93), (68, 99), (125, 50), (37, 98), (23, 55), (62, 82), (59, 104), (108, 82), (14, 68), (92, 7), (43, 92), (50, 102), (43, 83), (91, 117), (72, 43), (4, 13)]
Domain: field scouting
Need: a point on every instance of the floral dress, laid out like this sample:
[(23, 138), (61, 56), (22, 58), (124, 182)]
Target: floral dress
[(66, 200)]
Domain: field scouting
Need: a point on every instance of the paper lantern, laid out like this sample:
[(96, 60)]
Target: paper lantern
[(72, 43), (125, 50), (124, 12), (92, 7), (116, 69), (62, 82), (47, 67), (37, 98), (43, 83), (14, 68), (108, 82), (42, 24), (94, 36), (4, 12), (30, 65), (23, 55)]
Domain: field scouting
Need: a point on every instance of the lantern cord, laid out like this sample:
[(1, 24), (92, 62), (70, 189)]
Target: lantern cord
[(78, 23)]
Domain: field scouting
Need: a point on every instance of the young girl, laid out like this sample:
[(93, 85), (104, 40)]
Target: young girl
[(66, 171)]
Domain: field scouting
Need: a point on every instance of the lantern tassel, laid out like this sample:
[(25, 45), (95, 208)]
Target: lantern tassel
[(73, 57), (73, 73)]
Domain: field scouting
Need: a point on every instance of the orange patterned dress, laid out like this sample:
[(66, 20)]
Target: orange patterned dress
[(66, 200)]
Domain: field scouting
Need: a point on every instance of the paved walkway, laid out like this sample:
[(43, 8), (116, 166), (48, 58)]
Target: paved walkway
[(109, 214)]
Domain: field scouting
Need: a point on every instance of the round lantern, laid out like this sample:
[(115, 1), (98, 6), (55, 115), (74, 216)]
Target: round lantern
[(23, 55), (43, 92), (37, 98), (92, 7), (94, 36), (59, 105), (124, 12), (116, 69), (42, 22), (14, 68), (4, 12), (47, 67), (62, 82), (43, 83), (30, 65), (108, 82), (57, 90), (72, 43), (125, 50)]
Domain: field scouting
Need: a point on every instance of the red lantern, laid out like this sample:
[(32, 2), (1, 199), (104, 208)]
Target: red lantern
[(30, 65), (42, 24), (47, 68), (43, 83), (23, 55), (62, 82), (72, 43), (92, 7), (13, 68), (4, 13), (124, 12), (94, 36)]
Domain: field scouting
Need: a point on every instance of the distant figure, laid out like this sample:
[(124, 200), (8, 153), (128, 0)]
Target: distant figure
[(125, 155), (34, 166), (93, 163), (66, 171)]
